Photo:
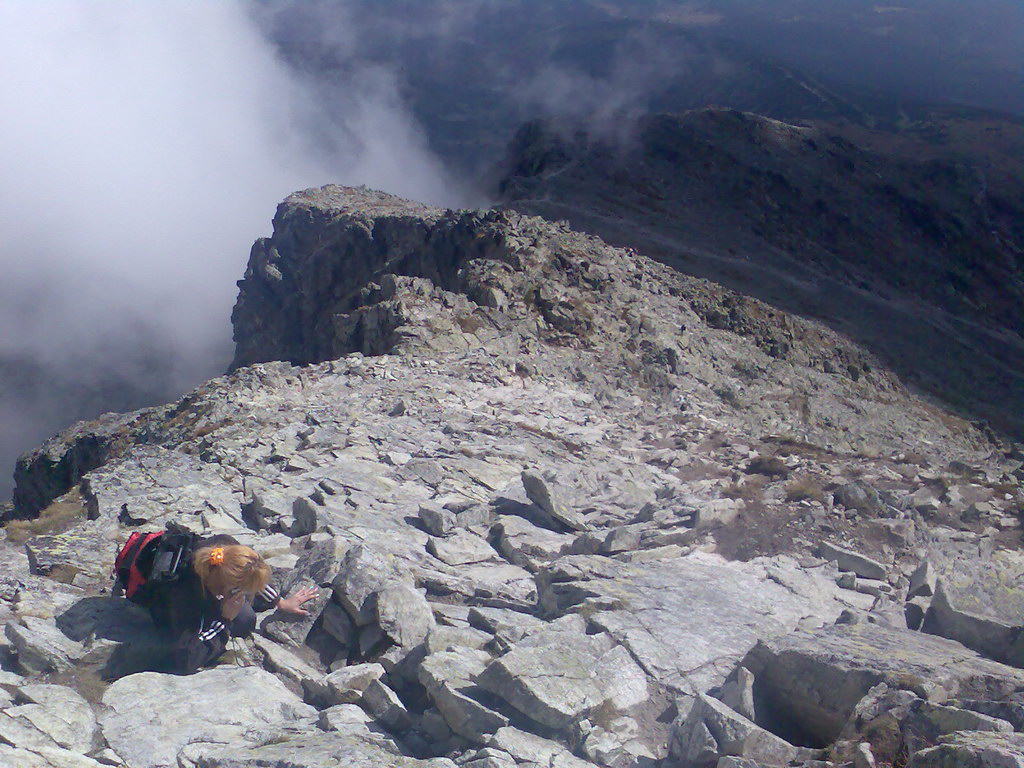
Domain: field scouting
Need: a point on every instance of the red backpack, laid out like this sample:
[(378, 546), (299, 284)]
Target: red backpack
[(172, 556)]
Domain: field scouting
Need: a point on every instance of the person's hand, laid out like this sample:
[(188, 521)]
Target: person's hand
[(293, 603)]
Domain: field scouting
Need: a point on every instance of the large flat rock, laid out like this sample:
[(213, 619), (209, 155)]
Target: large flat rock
[(151, 716), (811, 681), (687, 621), (980, 603)]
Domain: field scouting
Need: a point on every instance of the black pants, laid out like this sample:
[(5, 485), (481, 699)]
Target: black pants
[(244, 623)]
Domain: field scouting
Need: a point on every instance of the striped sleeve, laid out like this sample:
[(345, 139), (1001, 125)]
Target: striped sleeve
[(270, 594), (266, 599), (209, 633)]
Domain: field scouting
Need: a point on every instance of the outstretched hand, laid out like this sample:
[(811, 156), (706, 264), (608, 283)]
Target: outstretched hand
[(293, 603)]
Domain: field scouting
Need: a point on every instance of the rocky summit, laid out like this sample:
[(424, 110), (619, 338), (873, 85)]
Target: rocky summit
[(566, 507)]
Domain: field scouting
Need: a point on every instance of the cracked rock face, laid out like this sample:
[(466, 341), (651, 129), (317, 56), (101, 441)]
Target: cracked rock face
[(556, 517)]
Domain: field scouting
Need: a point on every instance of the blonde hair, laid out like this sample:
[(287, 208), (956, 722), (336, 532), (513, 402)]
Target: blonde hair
[(223, 569)]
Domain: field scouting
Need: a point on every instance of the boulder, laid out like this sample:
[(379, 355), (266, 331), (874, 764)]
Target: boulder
[(927, 721), (436, 520), (980, 603), (808, 683), (316, 567), (449, 678), (343, 686), (362, 575), (277, 658), (41, 647), (527, 545), (385, 706), (556, 676), (529, 748), (973, 749), (307, 748), (731, 733), (849, 560), (45, 757), (860, 496), (59, 715), (149, 717), (403, 614), (542, 493), (688, 620), (460, 548)]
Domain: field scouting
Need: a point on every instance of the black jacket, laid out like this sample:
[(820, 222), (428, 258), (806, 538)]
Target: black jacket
[(191, 616)]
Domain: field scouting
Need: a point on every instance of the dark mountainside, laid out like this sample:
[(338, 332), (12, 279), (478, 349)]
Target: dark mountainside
[(473, 73), (566, 506), (921, 262)]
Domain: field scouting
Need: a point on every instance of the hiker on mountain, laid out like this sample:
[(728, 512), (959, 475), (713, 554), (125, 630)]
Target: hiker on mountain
[(201, 592)]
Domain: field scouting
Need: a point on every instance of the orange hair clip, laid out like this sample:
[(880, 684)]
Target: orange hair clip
[(217, 556)]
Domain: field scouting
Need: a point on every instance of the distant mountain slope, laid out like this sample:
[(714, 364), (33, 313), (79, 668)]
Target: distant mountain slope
[(921, 262), (473, 72)]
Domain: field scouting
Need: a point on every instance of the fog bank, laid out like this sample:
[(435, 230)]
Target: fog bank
[(145, 146)]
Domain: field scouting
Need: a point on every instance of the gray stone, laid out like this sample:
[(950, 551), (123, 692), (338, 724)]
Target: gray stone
[(342, 716), (738, 693), (525, 544), (849, 560), (863, 757), (552, 687), (60, 713), (980, 604), (540, 492), (385, 706), (733, 734), (528, 748), (860, 496), (973, 749), (277, 658), (272, 509), (343, 686), (437, 520), (820, 677), (922, 581), (449, 678), (403, 614), (149, 717), (316, 567), (928, 721), (460, 548), (1011, 712), (363, 574), (15, 757), (688, 620), (352, 746), (509, 627), (443, 639), (40, 647)]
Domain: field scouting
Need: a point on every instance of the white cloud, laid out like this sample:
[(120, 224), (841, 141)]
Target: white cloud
[(144, 147)]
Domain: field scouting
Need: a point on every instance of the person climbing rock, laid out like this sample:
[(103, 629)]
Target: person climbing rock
[(201, 592)]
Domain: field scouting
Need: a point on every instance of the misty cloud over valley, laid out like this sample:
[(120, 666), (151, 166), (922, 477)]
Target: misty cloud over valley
[(146, 145)]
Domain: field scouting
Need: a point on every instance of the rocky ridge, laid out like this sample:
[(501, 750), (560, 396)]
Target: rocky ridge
[(863, 240), (566, 506)]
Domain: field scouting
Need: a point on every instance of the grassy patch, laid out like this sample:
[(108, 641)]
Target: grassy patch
[(56, 518), (769, 466), (804, 488)]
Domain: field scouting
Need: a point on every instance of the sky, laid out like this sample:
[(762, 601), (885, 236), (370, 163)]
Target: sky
[(144, 147)]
